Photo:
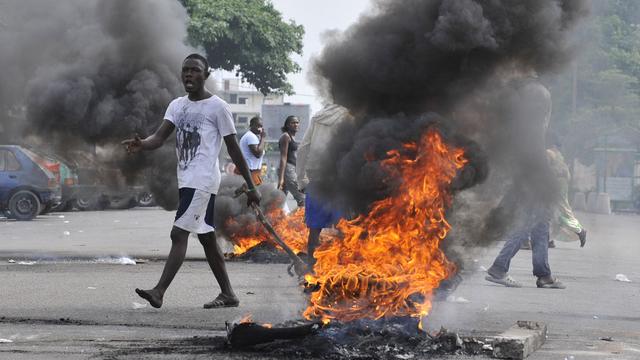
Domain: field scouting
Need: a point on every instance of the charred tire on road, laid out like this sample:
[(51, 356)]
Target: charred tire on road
[(88, 202), (145, 198), (24, 205)]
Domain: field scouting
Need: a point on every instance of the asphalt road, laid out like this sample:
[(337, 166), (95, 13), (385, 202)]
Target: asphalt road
[(76, 302)]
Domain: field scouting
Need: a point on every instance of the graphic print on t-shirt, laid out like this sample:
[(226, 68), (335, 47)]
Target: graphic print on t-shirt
[(188, 137)]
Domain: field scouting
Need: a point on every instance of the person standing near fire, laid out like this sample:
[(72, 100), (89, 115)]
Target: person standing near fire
[(563, 215), (198, 176), (252, 146), (528, 103), (287, 181), (318, 214)]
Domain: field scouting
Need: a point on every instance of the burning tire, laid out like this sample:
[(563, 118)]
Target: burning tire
[(89, 202), (145, 198), (24, 205)]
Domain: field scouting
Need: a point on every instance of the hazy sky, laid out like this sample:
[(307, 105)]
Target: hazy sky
[(317, 17)]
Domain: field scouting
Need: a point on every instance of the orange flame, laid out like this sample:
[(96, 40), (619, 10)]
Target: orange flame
[(246, 319), (291, 229), (388, 262)]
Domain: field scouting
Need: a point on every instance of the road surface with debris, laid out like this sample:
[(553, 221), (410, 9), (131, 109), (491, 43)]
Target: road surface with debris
[(67, 292)]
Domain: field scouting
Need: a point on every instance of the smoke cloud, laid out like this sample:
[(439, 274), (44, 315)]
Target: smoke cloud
[(473, 62), (95, 72)]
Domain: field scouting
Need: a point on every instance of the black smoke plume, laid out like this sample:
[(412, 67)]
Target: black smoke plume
[(94, 72), (473, 62)]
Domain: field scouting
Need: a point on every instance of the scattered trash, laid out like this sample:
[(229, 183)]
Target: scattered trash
[(457, 299), (66, 221), (482, 268), (116, 221), (137, 306), (26, 262), (116, 261), (608, 338), (91, 288), (11, 261), (67, 233), (250, 293), (61, 216), (80, 231), (595, 316), (141, 261), (622, 277), (5, 341), (485, 308), (487, 347), (571, 357)]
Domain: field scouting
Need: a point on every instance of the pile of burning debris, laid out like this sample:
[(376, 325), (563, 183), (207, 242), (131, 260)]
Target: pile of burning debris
[(396, 338)]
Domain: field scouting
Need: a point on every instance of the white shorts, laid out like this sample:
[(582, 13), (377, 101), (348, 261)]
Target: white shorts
[(195, 211)]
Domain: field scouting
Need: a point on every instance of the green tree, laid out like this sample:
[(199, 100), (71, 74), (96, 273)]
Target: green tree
[(248, 37)]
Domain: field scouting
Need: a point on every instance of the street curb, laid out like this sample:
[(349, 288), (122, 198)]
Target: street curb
[(520, 340)]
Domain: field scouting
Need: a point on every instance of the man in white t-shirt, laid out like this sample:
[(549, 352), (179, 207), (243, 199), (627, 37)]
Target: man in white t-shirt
[(252, 146), (202, 121)]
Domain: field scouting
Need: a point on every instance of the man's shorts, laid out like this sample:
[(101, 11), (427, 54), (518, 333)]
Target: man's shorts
[(195, 211), (318, 215)]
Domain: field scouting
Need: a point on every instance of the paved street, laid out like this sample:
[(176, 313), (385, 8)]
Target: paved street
[(72, 303)]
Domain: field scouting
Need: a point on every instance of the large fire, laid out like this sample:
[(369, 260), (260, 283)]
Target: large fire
[(291, 229), (388, 262)]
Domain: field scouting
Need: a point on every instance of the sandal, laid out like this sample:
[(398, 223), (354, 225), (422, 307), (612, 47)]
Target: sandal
[(507, 281), (549, 283), (222, 301)]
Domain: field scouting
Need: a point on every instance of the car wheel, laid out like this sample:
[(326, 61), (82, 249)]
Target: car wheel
[(85, 202), (24, 205), (145, 198)]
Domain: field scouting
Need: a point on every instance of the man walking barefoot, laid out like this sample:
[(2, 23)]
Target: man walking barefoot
[(203, 116)]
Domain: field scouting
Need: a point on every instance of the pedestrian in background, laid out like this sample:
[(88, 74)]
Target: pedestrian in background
[(287, 180), (252, 146), (563, 217)]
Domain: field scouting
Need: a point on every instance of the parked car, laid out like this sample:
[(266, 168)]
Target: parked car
[(26, 187), (65, 175)]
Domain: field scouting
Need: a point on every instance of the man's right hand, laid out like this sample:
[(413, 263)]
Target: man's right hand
[(133, 145)]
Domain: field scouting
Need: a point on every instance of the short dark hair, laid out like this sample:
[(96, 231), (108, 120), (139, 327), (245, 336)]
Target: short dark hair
[(287, 122), (254, 120), (201, 58)]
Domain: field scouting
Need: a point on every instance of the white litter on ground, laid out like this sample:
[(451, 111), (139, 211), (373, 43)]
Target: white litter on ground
[(457, 299), (622, 277), (26, 262), (66, 233), (123, 260), (5, 341), (11, 261), (137, 306), (91, 288), (61, 216), (66, 221)]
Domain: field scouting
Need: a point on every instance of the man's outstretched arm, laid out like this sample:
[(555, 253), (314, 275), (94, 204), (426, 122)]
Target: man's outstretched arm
[(152, 142)]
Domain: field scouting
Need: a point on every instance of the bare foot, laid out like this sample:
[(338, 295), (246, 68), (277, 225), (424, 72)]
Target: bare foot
[(152, 296)]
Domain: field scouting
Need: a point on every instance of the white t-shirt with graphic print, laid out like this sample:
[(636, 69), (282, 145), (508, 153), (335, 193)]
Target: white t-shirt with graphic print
[(200, 128)]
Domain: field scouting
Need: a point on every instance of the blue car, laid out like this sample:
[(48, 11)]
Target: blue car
[(25, 186)]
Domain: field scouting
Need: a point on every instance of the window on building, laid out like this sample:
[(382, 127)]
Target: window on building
[(242, 100), (243, 120), (233, 98)]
